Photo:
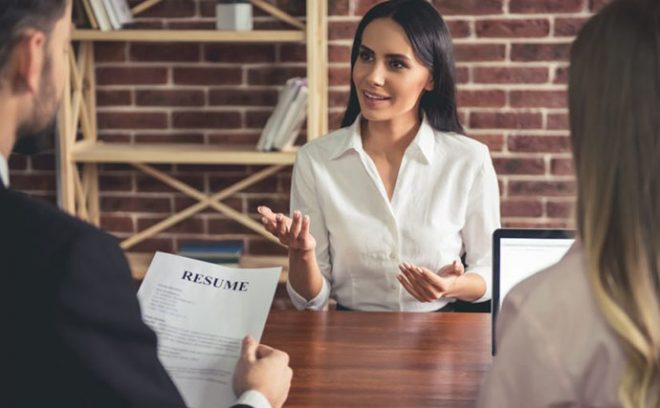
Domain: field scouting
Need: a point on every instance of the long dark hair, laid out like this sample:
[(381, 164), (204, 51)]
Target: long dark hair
[(614, 100), (431, 43)]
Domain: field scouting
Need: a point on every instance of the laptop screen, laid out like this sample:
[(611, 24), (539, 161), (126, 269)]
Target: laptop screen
[(518, 254)]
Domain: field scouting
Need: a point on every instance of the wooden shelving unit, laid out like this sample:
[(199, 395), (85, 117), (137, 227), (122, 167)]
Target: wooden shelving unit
[(79, 159)]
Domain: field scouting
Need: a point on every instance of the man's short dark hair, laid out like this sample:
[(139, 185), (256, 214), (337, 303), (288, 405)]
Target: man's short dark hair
[(18, 15)]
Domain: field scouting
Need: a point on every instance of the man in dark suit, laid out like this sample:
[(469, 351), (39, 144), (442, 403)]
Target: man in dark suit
[(72, 334)]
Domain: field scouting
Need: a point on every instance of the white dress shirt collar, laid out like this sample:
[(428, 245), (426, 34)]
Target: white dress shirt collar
[(423, 143), (4, 171)]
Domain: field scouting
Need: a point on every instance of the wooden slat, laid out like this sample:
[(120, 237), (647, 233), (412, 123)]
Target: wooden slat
[(177, 153), (277, 13), (190, 36), (144, 6)]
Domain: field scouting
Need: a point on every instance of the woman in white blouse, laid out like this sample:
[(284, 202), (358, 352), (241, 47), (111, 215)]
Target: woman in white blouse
[(383, 209), (586, 332)]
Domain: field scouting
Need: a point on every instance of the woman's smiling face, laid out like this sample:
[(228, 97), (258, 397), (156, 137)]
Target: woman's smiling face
[(388, 76)]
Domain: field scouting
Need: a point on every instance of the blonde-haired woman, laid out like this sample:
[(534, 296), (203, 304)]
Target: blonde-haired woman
[(586, 332)]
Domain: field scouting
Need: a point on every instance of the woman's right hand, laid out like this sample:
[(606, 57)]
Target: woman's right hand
[(292, 233)]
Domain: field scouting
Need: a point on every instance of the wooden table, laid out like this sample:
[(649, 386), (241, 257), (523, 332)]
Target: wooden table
[(359, 359)]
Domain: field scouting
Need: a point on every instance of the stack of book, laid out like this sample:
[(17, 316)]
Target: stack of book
[(219, 252), (106, 15), (284, 123)]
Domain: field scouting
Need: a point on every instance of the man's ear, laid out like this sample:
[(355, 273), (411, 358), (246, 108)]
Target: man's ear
[(30, 54)]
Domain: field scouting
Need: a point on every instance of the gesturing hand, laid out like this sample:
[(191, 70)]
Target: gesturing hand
[(427, 286), (292, 233)]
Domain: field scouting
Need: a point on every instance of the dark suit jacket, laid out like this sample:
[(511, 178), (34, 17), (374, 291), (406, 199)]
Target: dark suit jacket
[(72, 334)]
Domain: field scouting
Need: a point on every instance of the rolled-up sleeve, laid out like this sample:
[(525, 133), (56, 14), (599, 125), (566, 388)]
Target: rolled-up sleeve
[(304, 198), (481, 219)]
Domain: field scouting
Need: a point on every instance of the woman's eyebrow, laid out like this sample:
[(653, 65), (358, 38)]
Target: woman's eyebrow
[(399, 56)]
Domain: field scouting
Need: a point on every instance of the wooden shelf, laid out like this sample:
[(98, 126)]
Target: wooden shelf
[(139, 263), (176, 153), (189, 35)]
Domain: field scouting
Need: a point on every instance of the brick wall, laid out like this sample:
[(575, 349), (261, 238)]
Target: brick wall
[(512, 70)]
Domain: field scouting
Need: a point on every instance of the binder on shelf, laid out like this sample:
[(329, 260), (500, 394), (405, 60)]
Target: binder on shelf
[(218, 252), (107, 14), (101, 15), (283, 125)]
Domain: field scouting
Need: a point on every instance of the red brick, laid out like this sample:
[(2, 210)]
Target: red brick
[(269, 185), (459, 28), (560, 209), (545, 6), (154, 244), (597, 5), (334, 120), (276, 204), (244, 138), (558, 121), (296, 53), (165, 52), (568, 27), (540, 52), (484, 99), (187, 226), (168, 137), (131, 203), (339, 53), (243, 54), (207, 76), (563, 167), (469, 7), (521, 208), (169, 97), (17, 162), (274, 75), (538, 99), (495, 143), (541, 188), (561, 75), (342, 30), (33, 182), (115, 183), (117, 223), (256, 119), (110, 51), (114, 137), (147, 184), (338, 99), (107, 97), (519, 166), (131, 75), (338, 7), (339, 76), (479, 52), (206, 119), (171, 9), (243, 97), (505, 120), (462, 75), (510, 75), (227, 226), (539, 144), (260, 246), (132, 120), (537, 224), (42, 162), (513, 28)]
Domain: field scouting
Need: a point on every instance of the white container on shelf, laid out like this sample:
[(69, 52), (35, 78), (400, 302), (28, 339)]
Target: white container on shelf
[(233, 15)]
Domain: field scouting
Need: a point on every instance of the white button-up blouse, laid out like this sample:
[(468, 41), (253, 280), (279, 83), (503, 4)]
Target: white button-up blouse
[(445, 203)]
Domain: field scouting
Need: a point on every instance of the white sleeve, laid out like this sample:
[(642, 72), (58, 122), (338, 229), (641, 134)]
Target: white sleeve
[(304, 198), (481, 219), (253, 398)]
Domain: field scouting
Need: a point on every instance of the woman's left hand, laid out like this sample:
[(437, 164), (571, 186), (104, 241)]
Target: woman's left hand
[(427, 286)]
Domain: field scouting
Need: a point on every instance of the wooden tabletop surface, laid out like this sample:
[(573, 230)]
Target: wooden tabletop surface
[(360, 359)]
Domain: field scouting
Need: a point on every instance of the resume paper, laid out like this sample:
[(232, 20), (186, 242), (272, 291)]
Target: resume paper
[(200, 313)]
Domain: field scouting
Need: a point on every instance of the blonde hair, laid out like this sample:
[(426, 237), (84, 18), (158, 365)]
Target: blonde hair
[(614, 98)]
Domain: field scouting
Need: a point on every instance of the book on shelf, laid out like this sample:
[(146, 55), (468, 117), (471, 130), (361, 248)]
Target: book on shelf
[(283, 125), (106, 15), (217, 252)]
